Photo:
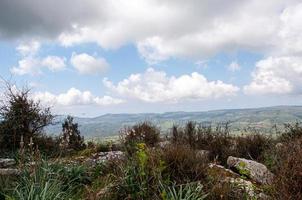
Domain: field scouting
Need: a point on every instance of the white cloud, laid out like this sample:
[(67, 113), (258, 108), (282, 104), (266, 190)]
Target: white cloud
[(161, 29), (30, 63), (75, 97), (54, 63), (86, 64), (195, 29), (27, 65), (234, 66), (28, 48), (165, 29), (34, 65), (156, 86), (276, 75)]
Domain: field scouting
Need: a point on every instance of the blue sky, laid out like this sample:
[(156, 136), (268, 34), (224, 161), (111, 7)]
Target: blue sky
[(153, 56)]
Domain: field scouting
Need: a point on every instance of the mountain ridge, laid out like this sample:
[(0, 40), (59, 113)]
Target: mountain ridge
[(262, 119)]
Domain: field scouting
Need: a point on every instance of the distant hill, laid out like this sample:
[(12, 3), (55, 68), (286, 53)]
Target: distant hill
[(262, 119)]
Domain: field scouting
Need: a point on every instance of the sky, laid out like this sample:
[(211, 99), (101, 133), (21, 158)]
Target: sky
[(88, 58)]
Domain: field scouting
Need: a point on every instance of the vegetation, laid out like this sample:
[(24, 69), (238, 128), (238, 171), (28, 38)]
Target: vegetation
[(144, 132), (21, 117), (153, 171), (71, 137), (190, 163)]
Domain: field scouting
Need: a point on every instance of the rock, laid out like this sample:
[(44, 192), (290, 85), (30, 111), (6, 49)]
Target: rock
[(251, 169), (9, 172), (246, 187), (219, 172), (7, 162), (111, 155), (279, 146), (164, 144), (203, 154)]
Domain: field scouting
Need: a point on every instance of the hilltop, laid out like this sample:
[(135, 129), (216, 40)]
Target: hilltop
[(262, 119)]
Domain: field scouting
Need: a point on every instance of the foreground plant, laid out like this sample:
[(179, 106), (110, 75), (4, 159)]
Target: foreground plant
[(44, 181), (41, 183), (190, 191)]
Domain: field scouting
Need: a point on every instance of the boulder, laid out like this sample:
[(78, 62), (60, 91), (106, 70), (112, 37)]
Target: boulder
[(250, 169), (219, 172), (7, 162), (226, 178), (9, 172)]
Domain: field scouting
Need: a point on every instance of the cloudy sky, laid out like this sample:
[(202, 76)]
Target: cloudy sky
[(92, 57)]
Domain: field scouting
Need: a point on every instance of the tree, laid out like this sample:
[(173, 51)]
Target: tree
[(21, 116), (71, 136)]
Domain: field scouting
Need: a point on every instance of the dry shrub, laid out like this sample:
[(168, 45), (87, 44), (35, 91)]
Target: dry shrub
[(144, 132), (216, 140), (288, 180), (183, 164), (252, 146), (50, 146), (292, 132)]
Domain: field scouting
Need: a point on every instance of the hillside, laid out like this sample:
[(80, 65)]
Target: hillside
[(262, 119)]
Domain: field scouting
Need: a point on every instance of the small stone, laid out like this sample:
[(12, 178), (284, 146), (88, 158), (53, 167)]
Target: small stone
[(164, 144), (9, 172), (203, 154), (7, 162)]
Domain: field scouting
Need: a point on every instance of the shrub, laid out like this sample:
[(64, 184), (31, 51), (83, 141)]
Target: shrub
[(48, 145), (182, 164), (144, 132), (252, 146), (288, 178), (216, 140), (71, 136), (21, 116), (292, 132), (140, 176)]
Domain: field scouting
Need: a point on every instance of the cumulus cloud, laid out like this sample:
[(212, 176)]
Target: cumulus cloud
[(276, 75), (75, 97), (30, 63), (87, 64), (28, 48), (164, 29), (233, 66), (33, 65), (53, 63), (160, 29), (156, 86)]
